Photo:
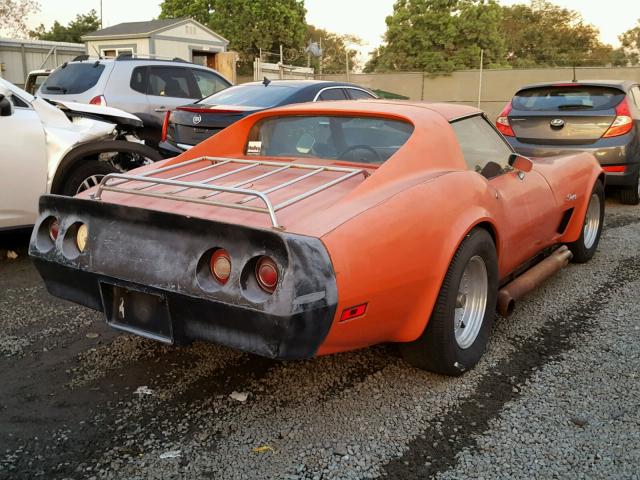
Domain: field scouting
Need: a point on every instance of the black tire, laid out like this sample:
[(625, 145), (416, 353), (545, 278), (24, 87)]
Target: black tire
[(582, 253), (437, 349), (90, 171), (89, 152), (631, 195)]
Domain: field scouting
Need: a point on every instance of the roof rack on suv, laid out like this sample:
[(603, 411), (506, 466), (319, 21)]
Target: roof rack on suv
[(134, 56)]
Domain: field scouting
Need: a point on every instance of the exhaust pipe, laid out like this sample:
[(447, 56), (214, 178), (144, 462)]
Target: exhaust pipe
[(531, 279)]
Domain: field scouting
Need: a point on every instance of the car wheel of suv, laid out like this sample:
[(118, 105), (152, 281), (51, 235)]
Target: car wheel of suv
[(87, 175), (458, 331), (631, 195)]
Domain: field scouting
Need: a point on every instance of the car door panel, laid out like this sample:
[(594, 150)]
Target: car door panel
[(23, 161)]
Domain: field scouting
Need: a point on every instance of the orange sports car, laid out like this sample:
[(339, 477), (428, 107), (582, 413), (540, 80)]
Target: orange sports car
[(318, 228)]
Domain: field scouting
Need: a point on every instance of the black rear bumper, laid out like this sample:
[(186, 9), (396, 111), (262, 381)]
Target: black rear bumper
[(162, 254)]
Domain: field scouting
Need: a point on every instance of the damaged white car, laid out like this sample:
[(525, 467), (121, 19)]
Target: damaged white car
[(59, 147)]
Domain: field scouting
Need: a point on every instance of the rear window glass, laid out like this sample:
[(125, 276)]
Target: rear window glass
[(353, 139), (74, 78), (250, 96), (567, 98)]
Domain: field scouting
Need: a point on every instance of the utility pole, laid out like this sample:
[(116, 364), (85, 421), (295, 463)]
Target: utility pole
[(101, 14), (480, 79), (346, 56), (320, 59)]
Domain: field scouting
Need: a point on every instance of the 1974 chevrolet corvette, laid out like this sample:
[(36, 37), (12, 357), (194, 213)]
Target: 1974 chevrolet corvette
[(318, 228)]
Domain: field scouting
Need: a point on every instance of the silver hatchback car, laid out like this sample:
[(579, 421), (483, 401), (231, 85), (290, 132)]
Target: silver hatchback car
[(145, 87)]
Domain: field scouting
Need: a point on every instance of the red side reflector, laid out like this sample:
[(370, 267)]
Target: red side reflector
[(617, 168), (353, 312), (98, 100)]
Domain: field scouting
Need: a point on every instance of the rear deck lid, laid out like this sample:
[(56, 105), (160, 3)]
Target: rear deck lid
[(564, 114)]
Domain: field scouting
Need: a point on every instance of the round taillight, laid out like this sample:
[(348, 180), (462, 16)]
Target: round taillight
[(221, 265), (81, 237), (267, 274), (54, 229)]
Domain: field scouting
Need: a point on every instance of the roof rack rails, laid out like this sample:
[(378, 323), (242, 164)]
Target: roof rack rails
[(135, 56), (143, 184)]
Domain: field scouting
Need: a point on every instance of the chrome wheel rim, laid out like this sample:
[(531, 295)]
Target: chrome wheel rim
[(89, 182), (471, 302), (592, 221)]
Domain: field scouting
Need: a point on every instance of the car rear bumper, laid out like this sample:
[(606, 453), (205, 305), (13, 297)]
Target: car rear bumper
[(622, 151), (156, 255)]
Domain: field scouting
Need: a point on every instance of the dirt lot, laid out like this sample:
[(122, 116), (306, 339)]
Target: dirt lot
[(557, 396)]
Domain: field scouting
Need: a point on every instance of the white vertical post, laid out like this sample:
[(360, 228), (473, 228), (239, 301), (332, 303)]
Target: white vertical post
[(346, 56), (480, 79)]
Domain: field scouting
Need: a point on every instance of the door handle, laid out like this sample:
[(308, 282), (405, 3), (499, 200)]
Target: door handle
[(161, 109)]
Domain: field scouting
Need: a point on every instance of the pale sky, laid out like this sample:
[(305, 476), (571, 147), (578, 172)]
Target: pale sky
[(363, 18)]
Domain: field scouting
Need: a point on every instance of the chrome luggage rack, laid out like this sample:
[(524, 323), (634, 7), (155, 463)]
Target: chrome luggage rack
[(115, 182)]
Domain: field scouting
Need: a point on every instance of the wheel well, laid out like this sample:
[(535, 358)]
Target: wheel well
[(67, 165), (602, 178)]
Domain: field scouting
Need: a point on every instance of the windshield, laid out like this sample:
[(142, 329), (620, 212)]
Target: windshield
[(354, 139), (74, 78), (257, 96), (558, 98)]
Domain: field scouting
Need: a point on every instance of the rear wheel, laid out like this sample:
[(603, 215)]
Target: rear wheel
[(585, 247), (458, 331), (631, 195), (88, 174)]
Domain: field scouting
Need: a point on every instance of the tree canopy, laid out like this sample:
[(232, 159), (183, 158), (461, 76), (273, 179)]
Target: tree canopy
[(14, 14), (439, 36), (249, 25), (73, 32), (334, 50), (629, 52)]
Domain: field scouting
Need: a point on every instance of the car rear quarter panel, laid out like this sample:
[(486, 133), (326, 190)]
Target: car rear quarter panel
[(569, 176), (394, 257)]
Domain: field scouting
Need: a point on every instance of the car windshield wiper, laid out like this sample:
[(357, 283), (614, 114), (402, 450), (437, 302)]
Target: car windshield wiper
[(56, 88), (575, 106)]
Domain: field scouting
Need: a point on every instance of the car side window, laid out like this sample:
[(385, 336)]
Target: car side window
[(209, 83), (333, 94), (484, 150), (139, 79), (18, 102), (172, 82), (357, 94)]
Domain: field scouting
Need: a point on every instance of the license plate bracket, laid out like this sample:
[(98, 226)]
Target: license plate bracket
[(138, 312)]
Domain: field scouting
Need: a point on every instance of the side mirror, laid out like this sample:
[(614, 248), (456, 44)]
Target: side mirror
[(6, 107), (520, 163)]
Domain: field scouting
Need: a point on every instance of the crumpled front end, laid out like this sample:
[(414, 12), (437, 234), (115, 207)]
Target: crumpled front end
[(150, 272)]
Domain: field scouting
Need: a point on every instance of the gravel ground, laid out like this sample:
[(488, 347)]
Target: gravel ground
[(556, 396)]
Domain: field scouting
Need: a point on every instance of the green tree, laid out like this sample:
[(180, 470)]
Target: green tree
[(334, 48), (544, 34), (73, 32), (14, 14), (629, 52), (440, 36), (249, 25)]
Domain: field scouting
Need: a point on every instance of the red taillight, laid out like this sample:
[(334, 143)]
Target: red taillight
[(99, 100), (221, 265), (612, 169), (353, 312), (54, 229), (623, 122), (165, 126), (267, 274), (502, 122)]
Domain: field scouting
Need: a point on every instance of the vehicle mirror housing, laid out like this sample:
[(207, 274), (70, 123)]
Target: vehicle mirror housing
[(520, 163), (6, 107)]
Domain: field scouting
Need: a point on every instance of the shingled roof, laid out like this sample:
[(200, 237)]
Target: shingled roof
[(134, 28)]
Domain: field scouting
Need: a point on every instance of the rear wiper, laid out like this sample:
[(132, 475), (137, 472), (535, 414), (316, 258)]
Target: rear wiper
[(575, 106), (56, 88)]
